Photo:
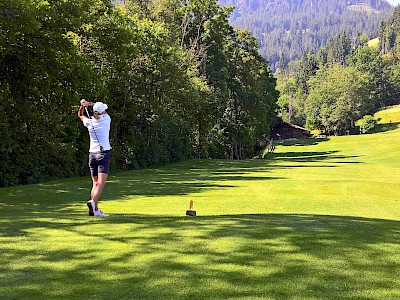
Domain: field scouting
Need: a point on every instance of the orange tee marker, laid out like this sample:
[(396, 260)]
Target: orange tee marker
[(191, 212)]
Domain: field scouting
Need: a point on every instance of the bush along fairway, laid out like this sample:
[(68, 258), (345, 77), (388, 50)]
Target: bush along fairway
[(316, 219)]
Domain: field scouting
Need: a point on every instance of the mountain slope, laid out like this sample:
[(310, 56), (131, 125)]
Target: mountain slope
[(287, 29)]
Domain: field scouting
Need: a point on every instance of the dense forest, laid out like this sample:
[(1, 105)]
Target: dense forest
[(345, 82), (288, 29), (179, 82)]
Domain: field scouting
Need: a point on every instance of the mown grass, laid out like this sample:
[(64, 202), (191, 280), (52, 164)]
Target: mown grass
[(389, 115), (317, 219)]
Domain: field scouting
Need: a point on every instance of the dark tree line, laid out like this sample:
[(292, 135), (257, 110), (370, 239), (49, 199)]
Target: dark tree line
[(389, 34), (179, 81)]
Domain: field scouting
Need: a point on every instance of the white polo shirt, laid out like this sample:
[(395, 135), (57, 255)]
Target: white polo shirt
[(99, 131)]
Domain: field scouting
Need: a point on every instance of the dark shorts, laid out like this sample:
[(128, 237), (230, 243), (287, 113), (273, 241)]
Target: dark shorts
[(99, 162)]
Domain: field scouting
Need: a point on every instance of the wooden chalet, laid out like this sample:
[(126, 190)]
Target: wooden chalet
[(286, 131)]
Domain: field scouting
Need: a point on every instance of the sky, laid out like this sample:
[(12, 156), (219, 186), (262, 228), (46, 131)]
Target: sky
[(393, 2)]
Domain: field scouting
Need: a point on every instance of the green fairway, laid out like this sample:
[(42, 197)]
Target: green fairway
[(317, 219)]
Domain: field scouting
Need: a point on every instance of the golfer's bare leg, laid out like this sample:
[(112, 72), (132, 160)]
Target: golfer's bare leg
[(94, 179), (98, 185)]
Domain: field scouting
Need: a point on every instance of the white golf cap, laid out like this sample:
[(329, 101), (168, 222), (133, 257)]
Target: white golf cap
[(99, 107)]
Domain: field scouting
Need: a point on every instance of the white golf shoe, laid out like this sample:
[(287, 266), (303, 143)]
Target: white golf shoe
[(99, 213)]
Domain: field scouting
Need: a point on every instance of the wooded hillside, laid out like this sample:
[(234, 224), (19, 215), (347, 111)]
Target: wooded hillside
[(346, 81), (288, 29)]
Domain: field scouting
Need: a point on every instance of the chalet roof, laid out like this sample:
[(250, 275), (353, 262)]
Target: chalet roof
[(279, 122), (297, 127)]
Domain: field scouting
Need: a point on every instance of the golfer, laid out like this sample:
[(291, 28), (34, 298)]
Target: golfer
[(99, 152)]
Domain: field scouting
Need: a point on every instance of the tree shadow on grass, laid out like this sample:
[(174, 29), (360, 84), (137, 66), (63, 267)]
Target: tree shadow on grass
[(303, 142), (280, 256), (176, 179), (329, 156), (385, 127)]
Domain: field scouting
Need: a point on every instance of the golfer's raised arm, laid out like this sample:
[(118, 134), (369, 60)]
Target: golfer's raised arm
[(81, 114)]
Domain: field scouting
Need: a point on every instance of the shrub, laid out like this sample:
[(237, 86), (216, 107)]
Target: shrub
[(366, 124)]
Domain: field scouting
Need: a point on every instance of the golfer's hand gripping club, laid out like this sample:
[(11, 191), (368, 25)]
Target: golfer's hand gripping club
[(86, 103)]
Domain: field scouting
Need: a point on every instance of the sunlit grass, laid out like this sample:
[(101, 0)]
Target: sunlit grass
[(374, 43), (317, 219), (389, 115)]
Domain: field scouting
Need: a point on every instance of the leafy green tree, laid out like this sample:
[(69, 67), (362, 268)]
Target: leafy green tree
[(378, 68), (212, 65), (286, 102), (366, 124), (338, 97), (200, 28), (252, 97), (395, 84)]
